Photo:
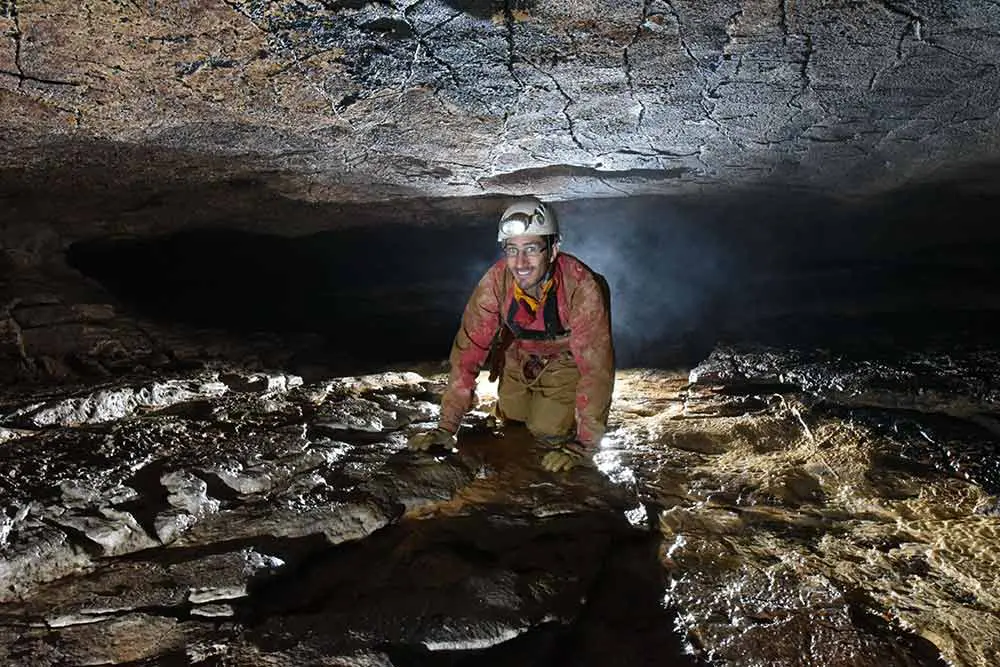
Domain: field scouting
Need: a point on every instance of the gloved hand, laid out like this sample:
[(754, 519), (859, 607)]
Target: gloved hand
[(565, 457), (439, 437)]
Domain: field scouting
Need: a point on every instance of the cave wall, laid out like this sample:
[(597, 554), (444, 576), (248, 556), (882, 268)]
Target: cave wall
[(357, 286)]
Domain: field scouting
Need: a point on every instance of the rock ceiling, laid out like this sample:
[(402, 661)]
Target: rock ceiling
[(345, 100)]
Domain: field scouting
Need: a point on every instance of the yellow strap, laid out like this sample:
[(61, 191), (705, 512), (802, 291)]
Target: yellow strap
[(534, 303)]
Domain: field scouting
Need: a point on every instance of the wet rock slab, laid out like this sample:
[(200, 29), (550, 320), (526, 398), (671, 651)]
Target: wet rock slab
[(768, 507), (285, 523), (842, 510)]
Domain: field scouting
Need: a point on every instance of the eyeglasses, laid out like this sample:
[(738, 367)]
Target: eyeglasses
[(530, 250)]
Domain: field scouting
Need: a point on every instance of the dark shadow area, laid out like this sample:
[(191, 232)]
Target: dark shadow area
[(581, 590), (967, 448), (485, 9), (776, 268), (386, 294)]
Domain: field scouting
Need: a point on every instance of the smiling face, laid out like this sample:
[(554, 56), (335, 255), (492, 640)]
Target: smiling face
[(528, 260)]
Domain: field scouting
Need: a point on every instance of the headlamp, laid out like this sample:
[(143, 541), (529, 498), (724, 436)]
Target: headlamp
[(514, 225), (518, 223)]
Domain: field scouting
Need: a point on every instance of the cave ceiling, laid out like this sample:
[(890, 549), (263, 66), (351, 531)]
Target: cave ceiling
[(353, 101)]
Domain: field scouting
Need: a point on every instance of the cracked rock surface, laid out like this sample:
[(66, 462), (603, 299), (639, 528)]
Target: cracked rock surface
[(767, 507), (363, 101)]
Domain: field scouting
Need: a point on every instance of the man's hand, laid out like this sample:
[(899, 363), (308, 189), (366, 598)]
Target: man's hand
[(437, 438), (564, 457)]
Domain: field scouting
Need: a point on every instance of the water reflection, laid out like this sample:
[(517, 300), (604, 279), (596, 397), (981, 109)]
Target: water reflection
[(797, 533)]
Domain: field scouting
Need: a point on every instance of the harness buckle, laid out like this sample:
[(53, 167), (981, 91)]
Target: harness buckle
[(533, 367)]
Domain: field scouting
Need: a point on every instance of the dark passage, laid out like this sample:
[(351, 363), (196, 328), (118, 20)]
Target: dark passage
[(775, 268), (388, 294)]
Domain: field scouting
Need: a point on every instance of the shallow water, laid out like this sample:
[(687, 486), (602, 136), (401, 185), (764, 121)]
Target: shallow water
[(786, 508)]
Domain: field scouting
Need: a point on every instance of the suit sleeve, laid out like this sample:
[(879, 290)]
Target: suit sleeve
[(471, 347), (593, 351)]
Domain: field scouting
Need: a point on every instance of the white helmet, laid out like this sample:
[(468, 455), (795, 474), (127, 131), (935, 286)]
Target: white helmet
[(527, 217)]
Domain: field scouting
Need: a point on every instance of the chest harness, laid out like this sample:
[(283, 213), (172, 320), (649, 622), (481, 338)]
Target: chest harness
[(550, 312)]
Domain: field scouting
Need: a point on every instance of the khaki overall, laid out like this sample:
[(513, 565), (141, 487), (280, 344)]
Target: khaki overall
[(540, 393)]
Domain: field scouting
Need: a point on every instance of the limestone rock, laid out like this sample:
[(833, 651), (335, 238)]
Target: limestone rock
[(112, 404), (765, 515), (318, 100)]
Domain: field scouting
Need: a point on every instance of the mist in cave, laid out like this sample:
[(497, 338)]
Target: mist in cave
[(686, 274)]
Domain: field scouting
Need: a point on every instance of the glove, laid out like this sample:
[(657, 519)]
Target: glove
[(564, 457), (439, 437)]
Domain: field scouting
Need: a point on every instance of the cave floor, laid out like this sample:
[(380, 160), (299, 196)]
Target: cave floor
[(765, 507)]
